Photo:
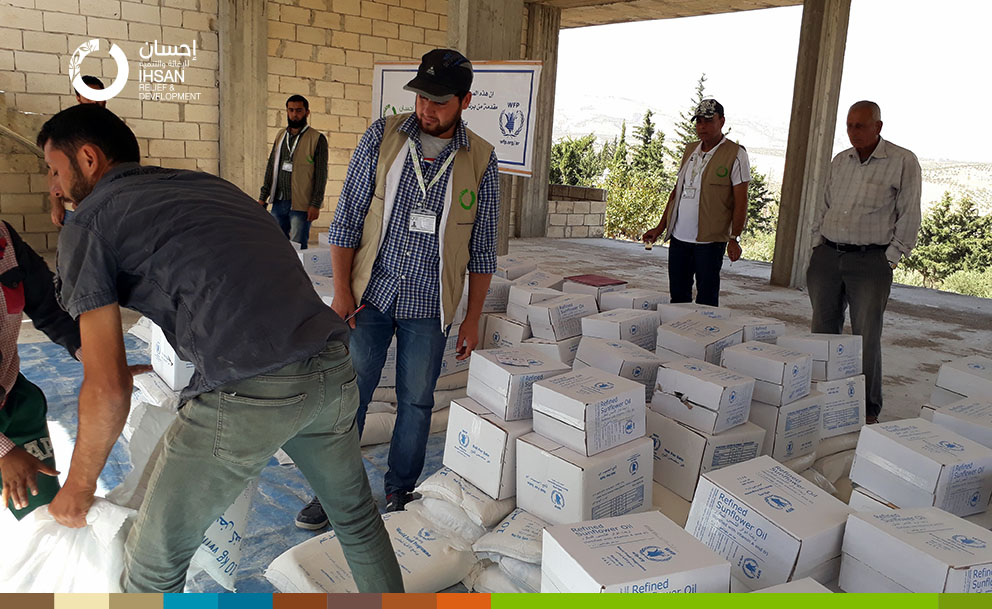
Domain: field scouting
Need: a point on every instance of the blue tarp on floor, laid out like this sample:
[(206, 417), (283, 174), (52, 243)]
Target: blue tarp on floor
[(282, 490)]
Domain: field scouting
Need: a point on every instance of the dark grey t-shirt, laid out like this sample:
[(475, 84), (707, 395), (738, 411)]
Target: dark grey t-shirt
[(201, 259)]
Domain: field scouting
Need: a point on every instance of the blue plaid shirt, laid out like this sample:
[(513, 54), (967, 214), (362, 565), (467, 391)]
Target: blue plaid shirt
[(406, 271)]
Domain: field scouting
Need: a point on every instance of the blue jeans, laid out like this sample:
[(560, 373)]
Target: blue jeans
[(419, 351), (294, 224), (223, 438)]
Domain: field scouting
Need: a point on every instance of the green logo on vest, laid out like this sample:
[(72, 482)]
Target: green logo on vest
[(722, 171), (471, 199), (309, 159)]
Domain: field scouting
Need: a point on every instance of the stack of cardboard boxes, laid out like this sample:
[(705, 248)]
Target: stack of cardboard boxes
[(969, 377)]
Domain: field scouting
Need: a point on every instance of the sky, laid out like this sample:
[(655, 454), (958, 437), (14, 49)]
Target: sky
[(925, 62)]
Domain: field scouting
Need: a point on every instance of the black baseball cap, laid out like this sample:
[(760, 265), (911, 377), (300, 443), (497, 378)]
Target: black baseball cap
[(443, 73), (708, 108)]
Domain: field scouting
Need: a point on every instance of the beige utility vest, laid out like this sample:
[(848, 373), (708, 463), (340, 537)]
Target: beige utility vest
[(302, 181), (457, 217), (716, 195)]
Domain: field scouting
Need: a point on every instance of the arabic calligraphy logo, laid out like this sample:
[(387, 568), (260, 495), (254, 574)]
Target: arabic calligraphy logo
[(511, 122), (77, 78), (471, 200)]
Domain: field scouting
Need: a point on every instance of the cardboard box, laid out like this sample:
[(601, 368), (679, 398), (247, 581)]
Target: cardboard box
[(594, 285), (942, 397), (700, 337), (560, 318), (761, 329), (969, 376), (667, 356), (863, 500), (640, 553), (772, 364), (317, 261), (937, 552), (540, 279), (482, 448), (844, 406), (589, 410), (792, 430), (772, 524), (502, 379), (324, 238), (806, 585), (916, 463), (561, 486), (521, 297), (673, 311), (635, 298), (497, 295), (513, 267), (669, 503), (622, 358), (703, 396), (638, 327), (564, 349), (166, 363), (324, 286), (835, 356), (503, 332), (926, 412), (970, 418), (682, 454)]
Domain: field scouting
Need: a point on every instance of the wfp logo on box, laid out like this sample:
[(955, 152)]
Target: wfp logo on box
[(973, 501), (970, 542), (628, 427), (557, 499), (949, 445), (604, 386), (850, 390), (426, 535), (712, 329), (656, 554), (976, 366), (634, 467), (495, 337), (633, 329), (752, 348), (463, 438), (779, 503), (840, 349), (657, 442), (733, 397), (693, 367), (795, 371), (637, 371), (751, 569)]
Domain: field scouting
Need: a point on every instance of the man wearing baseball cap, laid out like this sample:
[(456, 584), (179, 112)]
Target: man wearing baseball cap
[(706, 210), (419, 207)]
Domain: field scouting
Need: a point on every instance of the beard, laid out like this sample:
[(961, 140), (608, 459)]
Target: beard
[(80, 187), (296, 124), (441, 127)]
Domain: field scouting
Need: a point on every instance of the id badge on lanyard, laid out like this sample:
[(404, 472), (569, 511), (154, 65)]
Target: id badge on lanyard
[(423, 220), (288, 165)]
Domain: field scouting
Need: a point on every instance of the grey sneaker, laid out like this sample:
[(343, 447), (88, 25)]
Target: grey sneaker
[(312, 516)]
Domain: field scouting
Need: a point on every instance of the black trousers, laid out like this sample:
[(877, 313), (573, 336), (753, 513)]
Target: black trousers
[(862, 280), (699, 261)]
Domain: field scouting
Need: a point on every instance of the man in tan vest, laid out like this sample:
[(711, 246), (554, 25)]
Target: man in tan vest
[(706, 210), (419, 207), (298, 168)]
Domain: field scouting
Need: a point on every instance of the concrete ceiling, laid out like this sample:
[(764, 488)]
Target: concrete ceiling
[(580, 13)]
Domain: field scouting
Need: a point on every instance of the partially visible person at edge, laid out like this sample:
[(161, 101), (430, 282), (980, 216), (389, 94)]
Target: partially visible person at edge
[(706, 211), (57, 202), (171, 244), (419, 207), (297, 166), (867, 221)]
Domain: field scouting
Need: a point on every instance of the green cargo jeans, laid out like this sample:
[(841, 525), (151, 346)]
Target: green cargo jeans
[(222, 439)]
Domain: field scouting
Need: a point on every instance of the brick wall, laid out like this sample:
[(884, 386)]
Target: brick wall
[(325, 50), (37, 38), (575, 211)]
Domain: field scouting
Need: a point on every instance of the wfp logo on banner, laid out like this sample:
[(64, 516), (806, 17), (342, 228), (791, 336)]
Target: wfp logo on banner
[(76, 76), (511, 122)]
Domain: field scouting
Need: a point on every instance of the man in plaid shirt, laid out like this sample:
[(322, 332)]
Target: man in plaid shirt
[(419, 208), (867, 221)]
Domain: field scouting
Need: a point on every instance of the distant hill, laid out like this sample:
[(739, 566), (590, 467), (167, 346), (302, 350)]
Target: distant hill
[(765, 143)]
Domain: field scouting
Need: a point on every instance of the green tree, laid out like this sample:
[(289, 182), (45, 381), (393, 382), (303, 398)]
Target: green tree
[(575, 162), (685, 128), (953, 237), (619, 162), (762, 206), (649, 151)]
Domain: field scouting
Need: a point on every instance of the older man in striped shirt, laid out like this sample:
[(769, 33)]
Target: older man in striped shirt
[(867, 221)]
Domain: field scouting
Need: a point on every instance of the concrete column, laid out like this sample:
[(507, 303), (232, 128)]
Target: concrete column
[(243, 27), (822, 41), (489, 29), (543, 24)]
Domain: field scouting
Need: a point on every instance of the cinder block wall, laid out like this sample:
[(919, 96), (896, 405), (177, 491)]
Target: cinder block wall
[(325, 50), (575, 211), (37, 39)]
